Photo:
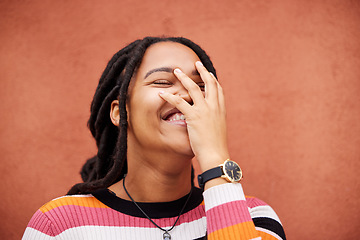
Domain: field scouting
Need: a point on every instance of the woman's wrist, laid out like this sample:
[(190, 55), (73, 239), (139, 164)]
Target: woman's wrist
[(212, 160), (214, 182)]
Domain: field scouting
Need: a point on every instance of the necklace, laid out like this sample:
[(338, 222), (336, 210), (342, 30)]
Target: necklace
[(166, 235)]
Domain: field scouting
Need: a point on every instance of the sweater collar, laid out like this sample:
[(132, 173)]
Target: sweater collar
[(153, 210)]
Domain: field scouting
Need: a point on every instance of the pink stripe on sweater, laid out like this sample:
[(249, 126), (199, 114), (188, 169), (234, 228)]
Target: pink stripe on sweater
[(41, 223), (254, 202), (237, 213), (62, 218)]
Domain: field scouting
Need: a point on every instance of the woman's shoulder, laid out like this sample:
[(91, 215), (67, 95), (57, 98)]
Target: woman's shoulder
[(61, 214), (254, 202), (260, 209), (73, 201), (66, 207)]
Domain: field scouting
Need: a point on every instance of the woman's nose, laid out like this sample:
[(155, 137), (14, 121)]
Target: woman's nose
[(184, 94)]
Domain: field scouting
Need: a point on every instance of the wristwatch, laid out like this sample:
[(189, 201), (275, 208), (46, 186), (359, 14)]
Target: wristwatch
[(229, 170)]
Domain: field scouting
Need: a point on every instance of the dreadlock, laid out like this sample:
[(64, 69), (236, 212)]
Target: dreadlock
[(110, 163)]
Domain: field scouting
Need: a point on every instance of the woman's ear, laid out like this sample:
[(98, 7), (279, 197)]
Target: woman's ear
[(114, 112)]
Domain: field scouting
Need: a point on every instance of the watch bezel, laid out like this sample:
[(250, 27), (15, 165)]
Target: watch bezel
[(225, 174)]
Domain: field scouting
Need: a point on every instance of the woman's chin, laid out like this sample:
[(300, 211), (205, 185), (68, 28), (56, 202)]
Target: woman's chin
[(186, 151)]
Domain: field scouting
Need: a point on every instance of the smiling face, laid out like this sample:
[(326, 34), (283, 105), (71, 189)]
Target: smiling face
[(155, 126)]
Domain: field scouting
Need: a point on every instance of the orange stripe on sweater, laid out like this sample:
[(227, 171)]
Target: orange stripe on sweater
[(245, 230), (70, 200), (267, 236)]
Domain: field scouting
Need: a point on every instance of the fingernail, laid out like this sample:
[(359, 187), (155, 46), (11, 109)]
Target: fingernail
[(199, 63), (161, 92), (177, 70)]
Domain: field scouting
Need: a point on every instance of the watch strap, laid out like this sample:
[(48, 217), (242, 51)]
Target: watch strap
[(208, 175)]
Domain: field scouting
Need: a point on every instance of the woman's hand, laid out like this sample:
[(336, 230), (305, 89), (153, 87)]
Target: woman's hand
[(205, 119)]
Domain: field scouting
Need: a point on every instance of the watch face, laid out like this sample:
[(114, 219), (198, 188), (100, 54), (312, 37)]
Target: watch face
[(232, 171)]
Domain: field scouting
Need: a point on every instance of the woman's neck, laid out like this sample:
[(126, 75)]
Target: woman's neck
[(161, 182)]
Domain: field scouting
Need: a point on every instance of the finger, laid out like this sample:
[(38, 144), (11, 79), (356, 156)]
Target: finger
[(221, 97), (192, 88), (178, 102), (211, 91), (213, 76)]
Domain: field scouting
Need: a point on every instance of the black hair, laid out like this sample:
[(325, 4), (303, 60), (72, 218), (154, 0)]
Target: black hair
[(110, 163)]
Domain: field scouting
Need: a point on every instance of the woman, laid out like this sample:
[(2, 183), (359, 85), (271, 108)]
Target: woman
[(158, 104)]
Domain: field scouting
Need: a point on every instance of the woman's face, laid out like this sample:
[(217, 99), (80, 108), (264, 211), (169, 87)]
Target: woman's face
[(155, 126)]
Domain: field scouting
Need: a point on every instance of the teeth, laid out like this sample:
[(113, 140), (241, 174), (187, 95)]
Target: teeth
[(177, 117)]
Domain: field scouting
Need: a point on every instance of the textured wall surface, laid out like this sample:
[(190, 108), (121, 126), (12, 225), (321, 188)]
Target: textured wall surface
[(290, 70)]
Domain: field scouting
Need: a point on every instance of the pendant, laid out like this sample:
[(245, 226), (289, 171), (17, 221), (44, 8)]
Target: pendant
[(166, 236)]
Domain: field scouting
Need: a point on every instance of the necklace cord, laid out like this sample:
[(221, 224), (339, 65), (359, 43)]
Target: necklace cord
[(183, 208)]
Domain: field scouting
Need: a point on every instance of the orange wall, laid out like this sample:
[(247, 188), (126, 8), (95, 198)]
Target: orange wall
[(290, 69)]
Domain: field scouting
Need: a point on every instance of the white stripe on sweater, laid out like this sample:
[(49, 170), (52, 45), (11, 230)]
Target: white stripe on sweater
[(185, 231), (222, 194), (263, 211)]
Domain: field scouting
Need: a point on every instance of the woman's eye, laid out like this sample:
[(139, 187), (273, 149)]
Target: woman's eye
[(162, 82), (201, 85)]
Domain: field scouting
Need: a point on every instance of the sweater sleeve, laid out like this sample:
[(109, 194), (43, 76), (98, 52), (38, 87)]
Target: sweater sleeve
[(231, 216)]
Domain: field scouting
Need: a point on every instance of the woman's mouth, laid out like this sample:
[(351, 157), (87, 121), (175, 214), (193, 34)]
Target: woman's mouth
[(174, 116)]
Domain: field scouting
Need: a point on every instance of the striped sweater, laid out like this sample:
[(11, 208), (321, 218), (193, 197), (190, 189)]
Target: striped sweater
[(221, 212)]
